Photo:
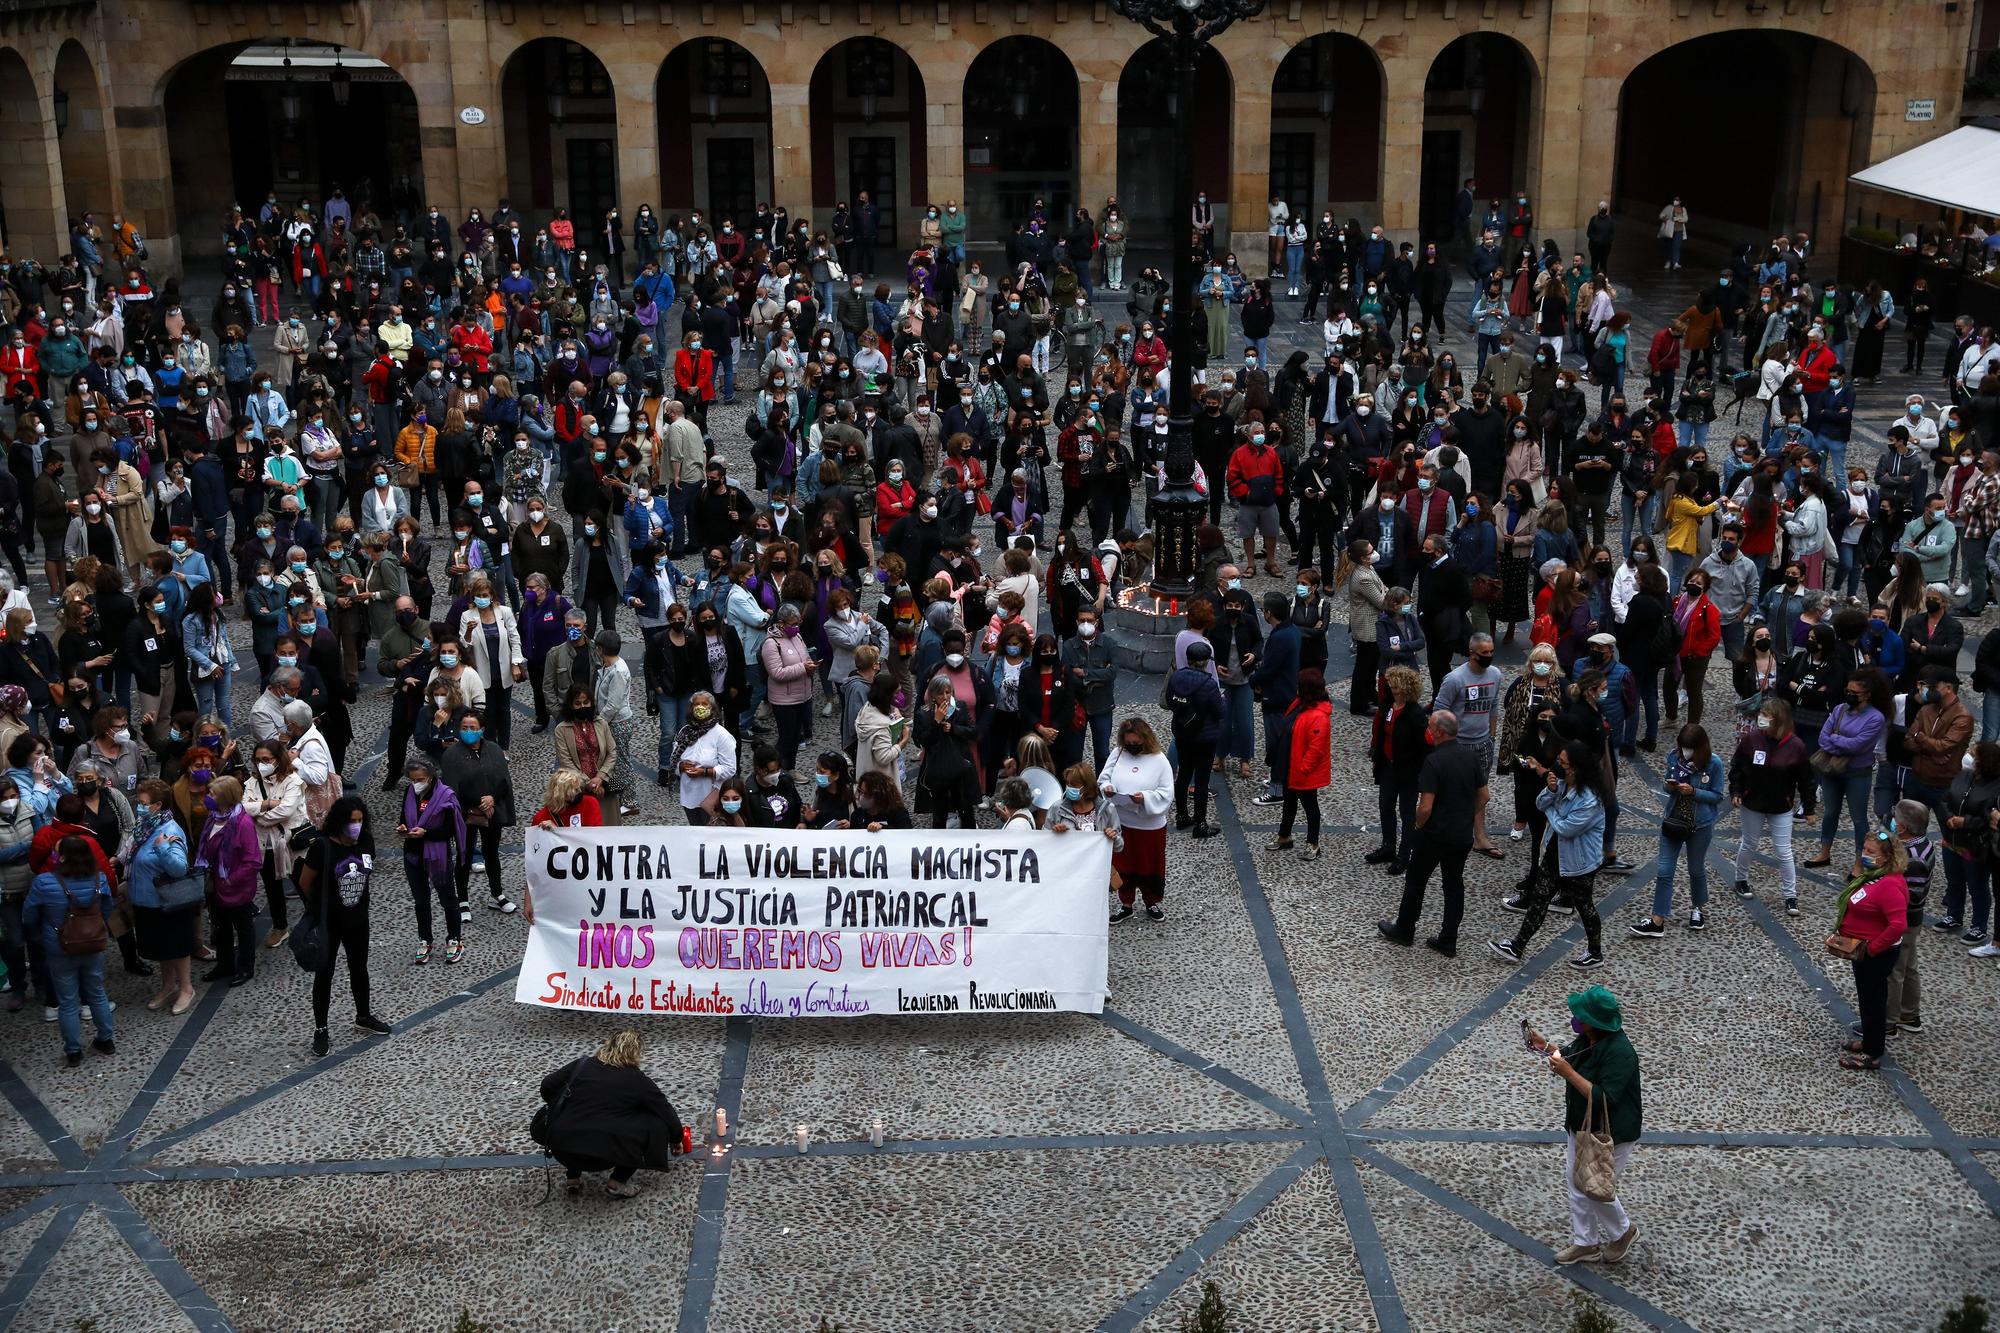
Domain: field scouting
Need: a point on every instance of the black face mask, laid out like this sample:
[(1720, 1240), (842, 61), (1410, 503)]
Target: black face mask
[(1134, 747)]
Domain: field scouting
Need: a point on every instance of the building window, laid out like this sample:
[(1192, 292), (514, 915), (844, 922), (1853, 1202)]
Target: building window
[(732, 179), (871, 68), (725, 69), (580, 74)]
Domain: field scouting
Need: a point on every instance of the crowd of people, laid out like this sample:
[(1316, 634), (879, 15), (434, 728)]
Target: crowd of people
[(489, 449)]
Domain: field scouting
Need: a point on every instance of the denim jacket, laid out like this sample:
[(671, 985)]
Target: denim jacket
[(1711, 788), (1576, 819)]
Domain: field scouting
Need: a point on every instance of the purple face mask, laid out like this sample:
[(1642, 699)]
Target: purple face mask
[(209, 801), (1576, 1026), (200, 775), (354, 829)]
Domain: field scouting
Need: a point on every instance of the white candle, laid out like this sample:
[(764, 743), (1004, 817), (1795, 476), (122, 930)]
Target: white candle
[(802, 1137), (721, 1123), (875, 1132)]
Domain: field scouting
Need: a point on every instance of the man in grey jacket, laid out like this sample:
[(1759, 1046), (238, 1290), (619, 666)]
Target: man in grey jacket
[(1732, 586)]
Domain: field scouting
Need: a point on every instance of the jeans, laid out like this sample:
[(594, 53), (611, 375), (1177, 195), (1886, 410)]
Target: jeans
[(500, 716), (1638, 518), (1100, 739), (1489, 345), (673, 715), (1239, 731), (1974, 553), (1779, 826), (1393, 804), (1697, 859), (79, 980), (1871, 997), (1965, 877), (212, 535), (1848, 579), (324, 493), (211, 696), (753, 672), (484, 842), (1195, 760), (1295, 266), (1649, 699), (232, 933), (1611, 390), (1678, 564), (1850, 787), (422, 885)]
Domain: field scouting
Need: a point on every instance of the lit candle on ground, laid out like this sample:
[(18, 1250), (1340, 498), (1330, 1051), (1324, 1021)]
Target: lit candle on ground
[(802, 1137), (875, 1132), (721, 1123)]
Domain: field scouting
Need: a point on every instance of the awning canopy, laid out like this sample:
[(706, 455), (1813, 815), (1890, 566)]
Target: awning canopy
[(1956, 170)]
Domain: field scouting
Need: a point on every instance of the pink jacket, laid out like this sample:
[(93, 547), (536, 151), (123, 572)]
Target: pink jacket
[(788, 669)]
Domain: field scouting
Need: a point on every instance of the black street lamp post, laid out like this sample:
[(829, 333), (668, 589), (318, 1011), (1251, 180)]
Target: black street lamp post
[(1186, 26)]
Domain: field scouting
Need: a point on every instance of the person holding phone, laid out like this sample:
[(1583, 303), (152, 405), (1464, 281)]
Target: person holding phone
[(1601, 1070)]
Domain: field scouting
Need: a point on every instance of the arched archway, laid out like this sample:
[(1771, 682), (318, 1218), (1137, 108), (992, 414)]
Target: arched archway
[(1326, 125), (1788, 161), (1146, 112), (82, 134), (868, 133), (249, 123), (1479, 101), (564, 151), (715, 131), (1021, 118), (31, 212)]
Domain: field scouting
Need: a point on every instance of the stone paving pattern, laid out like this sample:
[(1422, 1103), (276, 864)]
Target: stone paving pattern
[(1344, 1135)]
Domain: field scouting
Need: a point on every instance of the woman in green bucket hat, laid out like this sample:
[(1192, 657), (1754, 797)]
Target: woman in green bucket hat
[(1602, 1071)]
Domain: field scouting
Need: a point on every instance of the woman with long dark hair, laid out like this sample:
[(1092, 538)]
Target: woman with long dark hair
[(333, 887), (1575, 798)]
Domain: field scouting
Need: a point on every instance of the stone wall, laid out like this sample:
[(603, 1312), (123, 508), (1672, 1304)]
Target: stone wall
[(452, 54)]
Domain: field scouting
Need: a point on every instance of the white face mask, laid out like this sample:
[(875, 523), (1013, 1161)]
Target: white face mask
[(265, 768)]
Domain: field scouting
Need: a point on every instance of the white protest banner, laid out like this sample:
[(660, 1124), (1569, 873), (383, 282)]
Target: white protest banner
[(774, 923)]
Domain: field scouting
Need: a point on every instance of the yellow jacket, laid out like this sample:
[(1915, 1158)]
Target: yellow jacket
[(1683, 523)]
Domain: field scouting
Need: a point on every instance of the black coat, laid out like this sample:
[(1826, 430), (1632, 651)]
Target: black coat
[(613, 1114), (1444, 601)]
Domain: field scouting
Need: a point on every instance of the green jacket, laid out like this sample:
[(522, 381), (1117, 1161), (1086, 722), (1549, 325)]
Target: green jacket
[(1612, 1067)]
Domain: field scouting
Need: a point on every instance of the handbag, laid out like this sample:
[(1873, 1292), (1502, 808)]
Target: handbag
[(1679, 825), (1828, 763), (1486, 589), (311, 942), (182, 893), (539, 1123), (84, 929), (1595, 1174)]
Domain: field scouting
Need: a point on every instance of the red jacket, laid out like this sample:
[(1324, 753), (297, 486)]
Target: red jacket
[(569, 420), (1311, 765), (377, 377), (1877, 914), (474, 344), (1665, 353), (42, 849), (1704, 628), (1249, 463), (1815, 364), (694, 373), (23, 369), (300, 254), (893, 502)]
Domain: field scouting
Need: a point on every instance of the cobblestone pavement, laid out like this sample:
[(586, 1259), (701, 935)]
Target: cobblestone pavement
[(1344, 1135)]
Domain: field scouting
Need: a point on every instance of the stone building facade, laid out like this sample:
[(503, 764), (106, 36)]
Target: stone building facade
[(1382, 107)]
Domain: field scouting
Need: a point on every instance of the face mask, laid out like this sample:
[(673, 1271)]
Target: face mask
[(265, 768), (469, 735), (159, 608), (200, 775), (590, 529), (954, 660), (447, 660), (288, 659), (93, 509), (1765, 724)]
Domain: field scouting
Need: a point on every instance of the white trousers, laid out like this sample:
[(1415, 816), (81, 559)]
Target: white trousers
[(1779, 826), (1591, 1222)]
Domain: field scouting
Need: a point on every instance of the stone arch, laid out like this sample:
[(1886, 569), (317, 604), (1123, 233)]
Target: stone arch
[(241, 127), (869, 123), (1022, 101), (32, 220), (1145, 110), (1482, 102), (1787, 167), (564, 152), (714, 119), (83, 134), (1327, 112)]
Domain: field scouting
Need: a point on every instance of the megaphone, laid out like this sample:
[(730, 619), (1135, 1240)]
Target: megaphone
[(1046, 786)]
